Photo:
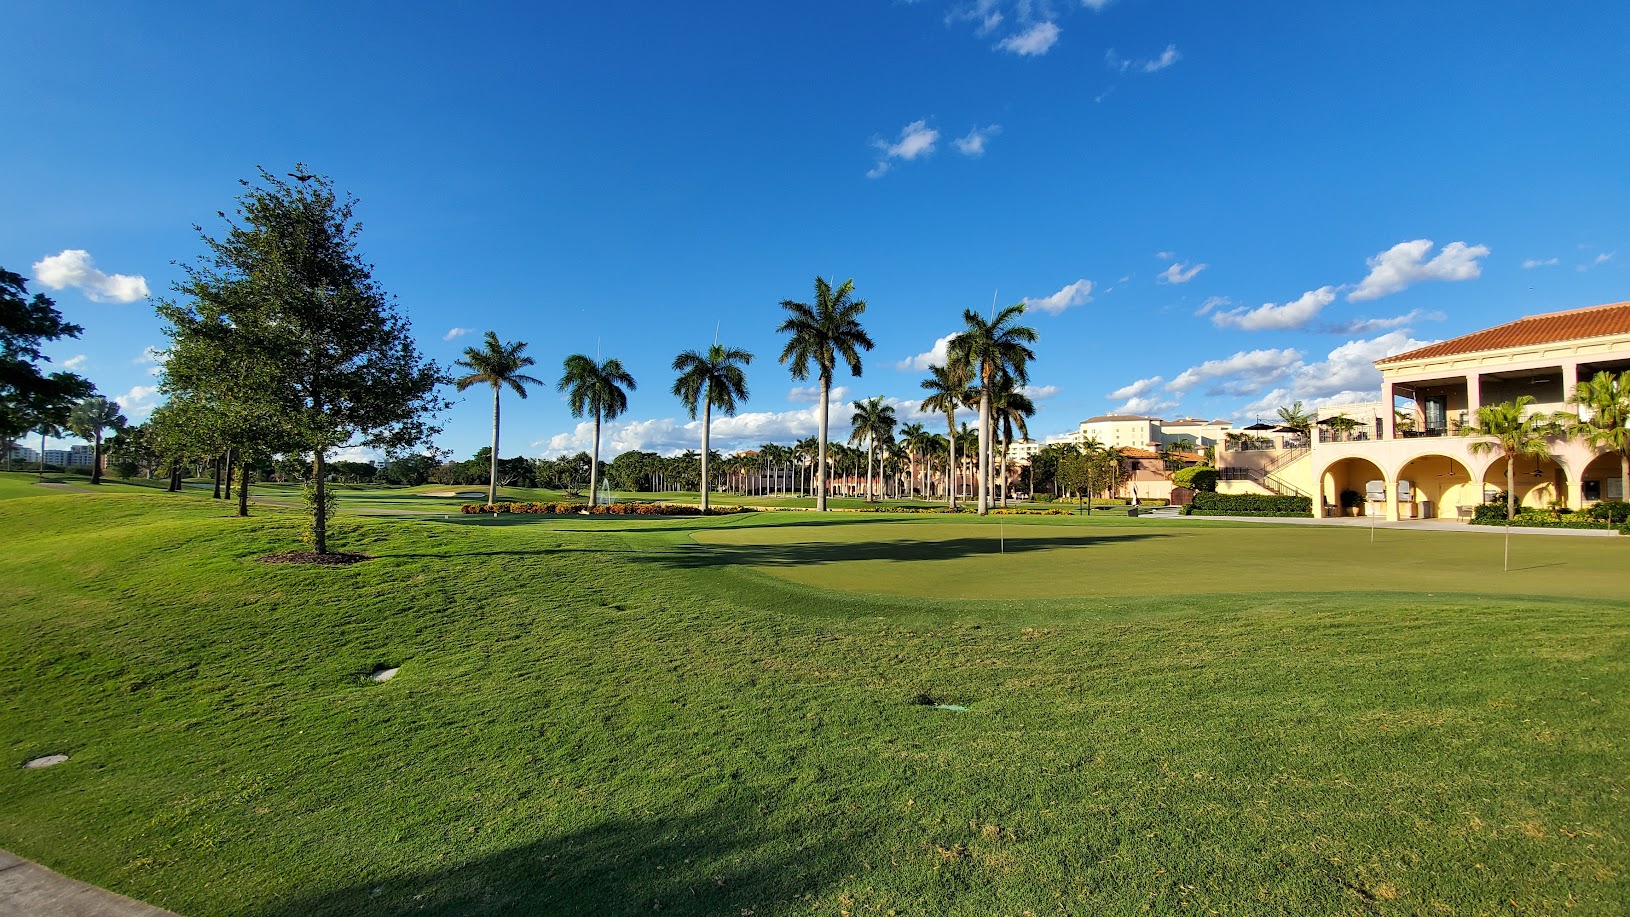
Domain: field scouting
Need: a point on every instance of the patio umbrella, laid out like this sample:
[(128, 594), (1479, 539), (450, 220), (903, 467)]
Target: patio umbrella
[(1259, 426)]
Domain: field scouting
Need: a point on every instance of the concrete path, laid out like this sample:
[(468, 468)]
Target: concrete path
[(30, 890), (1414, 525)]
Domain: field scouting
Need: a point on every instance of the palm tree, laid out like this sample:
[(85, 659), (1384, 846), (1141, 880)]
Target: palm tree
[(1506, 428), (1011, 407), (1608, 398), (915, 438), (711, 380), (966, 441), (806, 452), (873, 422), (984, 351), (496, 364), (1296, 418), (88, 420), (821, 333), (947, 388), (600, 389)]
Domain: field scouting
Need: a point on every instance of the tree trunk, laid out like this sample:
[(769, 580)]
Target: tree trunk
[(950, 464), (870, 447), (42, 453), (243, 485), (984, 450), (216, 467), (594, 469), (820, 449), (707, 429), (492, 476), (1510, 486), (319, 525), (175, 478), (1624, 475), (96, 459), (1007, 443), (231, 456)]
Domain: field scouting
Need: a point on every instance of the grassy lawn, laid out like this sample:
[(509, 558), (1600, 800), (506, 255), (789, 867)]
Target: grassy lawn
[(712, 716)]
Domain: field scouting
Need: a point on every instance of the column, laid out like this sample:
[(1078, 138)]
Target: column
[(1392, 500), (1570, 378), (1474, 395), (1576, 489), (1388, 415)]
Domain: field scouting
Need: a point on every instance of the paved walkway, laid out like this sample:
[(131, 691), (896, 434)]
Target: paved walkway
[(1417, 525), (30, 890)]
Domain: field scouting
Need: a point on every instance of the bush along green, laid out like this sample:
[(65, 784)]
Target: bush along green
[(1541, 519), (1201, 478), (1209, 504), (604, 509), (1617, 511)]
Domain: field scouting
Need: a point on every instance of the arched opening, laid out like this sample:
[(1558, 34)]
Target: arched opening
[(1539, 481), (1603, 478), (1352, 477), (1440, 488)]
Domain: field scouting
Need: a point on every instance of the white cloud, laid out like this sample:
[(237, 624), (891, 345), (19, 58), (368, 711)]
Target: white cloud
[(1136, 389), (1166, 256), (1532, 263), (933, 356), (811, 394), (1096, 5), (1121, 64), (1347, 372), (974, 143), (1405, 264), (357, 454), (1245, 373), (1372, 325), (1075, 294), (1179, 272), (1150, 406), (455, 333), (1213, 302), (916, 139), (1040, 392), (1032, 42), (1600, 259), (74, 268), (149, 354), (1292, 314), (139, 402), (74, 362)]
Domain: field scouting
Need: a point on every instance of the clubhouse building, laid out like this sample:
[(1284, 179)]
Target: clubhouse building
[(1403, 457)]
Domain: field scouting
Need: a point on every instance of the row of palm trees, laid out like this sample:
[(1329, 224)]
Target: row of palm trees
[(987, 368)]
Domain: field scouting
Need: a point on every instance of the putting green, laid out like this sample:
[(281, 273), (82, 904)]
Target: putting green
[(1061, 558)]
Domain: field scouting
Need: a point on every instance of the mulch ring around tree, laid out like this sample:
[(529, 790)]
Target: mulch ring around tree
[(331, 559)]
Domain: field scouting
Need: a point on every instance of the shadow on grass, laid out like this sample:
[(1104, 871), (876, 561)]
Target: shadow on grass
[(724, 860), (812, 553)]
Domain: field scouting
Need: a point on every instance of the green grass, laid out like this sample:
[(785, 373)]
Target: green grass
[(611, 716)]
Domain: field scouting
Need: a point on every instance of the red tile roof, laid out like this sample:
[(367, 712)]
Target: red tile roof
[(1595, 321)]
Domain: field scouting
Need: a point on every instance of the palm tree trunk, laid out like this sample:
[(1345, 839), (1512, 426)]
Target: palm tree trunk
[(492, 473), (96, 459), (984, 450), (1624, 475), (820, 460), (1007, 443), (950, 465), (707, 429), (870, 446), (594, 469), (42, 452)]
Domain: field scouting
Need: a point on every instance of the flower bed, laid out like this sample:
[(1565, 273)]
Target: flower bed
[(604, 509)]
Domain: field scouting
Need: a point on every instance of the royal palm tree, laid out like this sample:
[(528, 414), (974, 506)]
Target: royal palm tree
[(915, 438), (1012, 408), (806, 452), (820, 333), (89, 419), (873, 423), (1509, 430), (496, 364), (1607, 397), (599, 389), (947, 388), (712, 380), (985, 350)]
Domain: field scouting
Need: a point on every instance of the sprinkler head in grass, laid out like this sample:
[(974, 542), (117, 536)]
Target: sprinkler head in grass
[(922, 699), (382, 674), (46, 761)]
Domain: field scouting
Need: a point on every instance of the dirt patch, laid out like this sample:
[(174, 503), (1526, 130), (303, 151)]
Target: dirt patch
[(331, 559)]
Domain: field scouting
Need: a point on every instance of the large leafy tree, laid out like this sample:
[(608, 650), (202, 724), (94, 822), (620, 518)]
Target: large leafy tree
[(715, 379), (89, 420), (29, 399), (495, 364), (818, 334), (323, 355), (1607, 399), (948, 389), (873, 423), (600, 390), (1509, 429), (986, 350)]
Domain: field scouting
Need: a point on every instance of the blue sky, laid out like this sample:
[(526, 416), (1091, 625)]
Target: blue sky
[(1213, 207)]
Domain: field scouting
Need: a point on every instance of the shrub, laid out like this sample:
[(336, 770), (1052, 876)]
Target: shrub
[(1201, 478), (1211, 504), (1617, 511), (1489, 514), (1351, 499)]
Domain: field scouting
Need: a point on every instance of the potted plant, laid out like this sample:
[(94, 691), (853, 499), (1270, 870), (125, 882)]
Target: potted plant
[(1351, 502)]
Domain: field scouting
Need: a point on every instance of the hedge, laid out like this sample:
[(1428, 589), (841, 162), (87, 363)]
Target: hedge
[(1540, 519), (1197, 477), (1209, 504), (604, 509)]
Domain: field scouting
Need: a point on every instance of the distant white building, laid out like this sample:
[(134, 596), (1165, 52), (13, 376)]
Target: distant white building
[(21, 453), (1134, 431)]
